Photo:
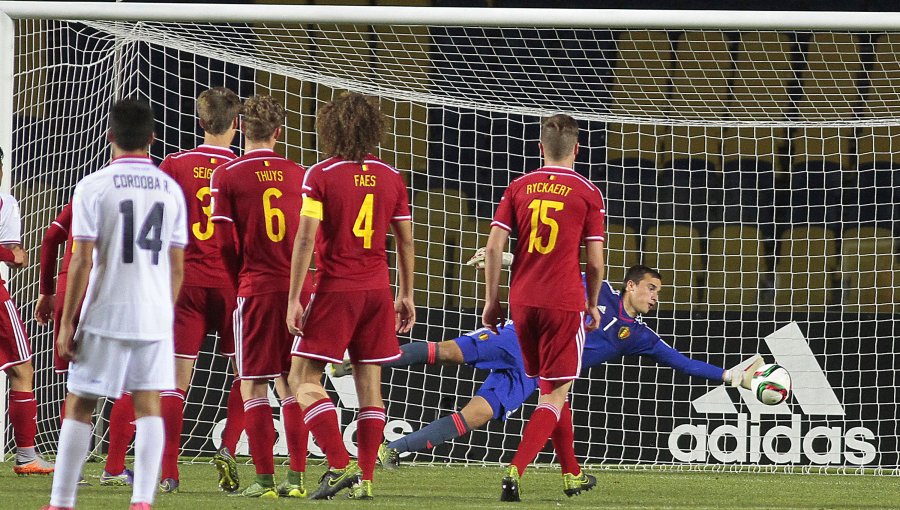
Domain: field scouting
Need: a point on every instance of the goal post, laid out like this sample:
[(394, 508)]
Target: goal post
[(752, 157)]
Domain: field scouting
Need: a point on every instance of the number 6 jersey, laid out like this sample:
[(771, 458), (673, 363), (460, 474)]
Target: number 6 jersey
[(134, 213), (552, 210), (260, 193)]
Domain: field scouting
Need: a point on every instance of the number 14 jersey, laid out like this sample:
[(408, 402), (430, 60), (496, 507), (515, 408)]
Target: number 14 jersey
[(552, 209), (134, 213), (260, 193)]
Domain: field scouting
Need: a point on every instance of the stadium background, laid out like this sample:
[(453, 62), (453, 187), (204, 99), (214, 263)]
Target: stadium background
[(636, 192)]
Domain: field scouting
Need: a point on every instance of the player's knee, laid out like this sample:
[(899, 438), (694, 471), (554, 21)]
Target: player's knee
[(21, 376)]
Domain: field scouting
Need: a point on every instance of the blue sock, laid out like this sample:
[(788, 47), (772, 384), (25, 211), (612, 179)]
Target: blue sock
[(433, 434), (415, 353)]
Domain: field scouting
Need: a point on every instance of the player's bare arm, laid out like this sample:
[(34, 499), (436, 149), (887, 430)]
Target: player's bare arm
[(404, 306), (17, 258), (301, 257), (594, 270), (493, 259), (176, 268), (79, 272)]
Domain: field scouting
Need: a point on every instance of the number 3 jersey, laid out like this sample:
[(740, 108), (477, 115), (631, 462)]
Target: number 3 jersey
[(552, 210), (192, 170), (134, 213), (356, 204), (260, 193)]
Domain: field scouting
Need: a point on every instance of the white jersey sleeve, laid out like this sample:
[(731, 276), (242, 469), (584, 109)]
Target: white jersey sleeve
[(10, 221), (180, 229), (85, 218)]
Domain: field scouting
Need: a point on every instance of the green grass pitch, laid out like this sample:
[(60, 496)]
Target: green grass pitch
[(427, 487)]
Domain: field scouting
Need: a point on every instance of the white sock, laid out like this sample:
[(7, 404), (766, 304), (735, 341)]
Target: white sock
[(149, 436), (74, 443), (25, 454)]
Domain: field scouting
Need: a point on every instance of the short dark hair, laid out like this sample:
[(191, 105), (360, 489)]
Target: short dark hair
[(637, 272), (131, 124), (559, 134), (1, 156), (217, 109)]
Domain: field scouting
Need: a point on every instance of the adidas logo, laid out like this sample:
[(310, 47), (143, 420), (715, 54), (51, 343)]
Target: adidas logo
[(780, 444)]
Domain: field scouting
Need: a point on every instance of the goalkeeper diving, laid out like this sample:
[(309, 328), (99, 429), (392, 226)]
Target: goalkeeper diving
[(622, 332)]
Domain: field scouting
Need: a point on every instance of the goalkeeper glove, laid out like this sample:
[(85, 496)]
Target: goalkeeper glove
[(743, 378), (477, 260)]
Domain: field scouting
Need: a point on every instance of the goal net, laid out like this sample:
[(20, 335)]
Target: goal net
[(756, 169)]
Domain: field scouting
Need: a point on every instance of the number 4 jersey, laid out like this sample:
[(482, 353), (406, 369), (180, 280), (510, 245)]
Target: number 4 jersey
[(192, 170), (260, 193), (356, 204), (553, 210), (134, 213)]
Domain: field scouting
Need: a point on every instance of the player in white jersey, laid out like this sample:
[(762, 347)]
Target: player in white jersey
[(129, 229), (15, 352)]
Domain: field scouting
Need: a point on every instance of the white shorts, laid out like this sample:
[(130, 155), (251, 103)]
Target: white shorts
[(106, 367)]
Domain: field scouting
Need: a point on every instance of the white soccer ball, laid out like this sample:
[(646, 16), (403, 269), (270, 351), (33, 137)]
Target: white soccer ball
[(771, 384)]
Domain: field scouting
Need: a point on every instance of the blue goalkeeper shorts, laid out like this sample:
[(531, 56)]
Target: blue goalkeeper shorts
[(507, 386)]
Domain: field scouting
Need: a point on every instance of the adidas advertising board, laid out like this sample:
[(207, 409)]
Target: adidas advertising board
[(747, 440)]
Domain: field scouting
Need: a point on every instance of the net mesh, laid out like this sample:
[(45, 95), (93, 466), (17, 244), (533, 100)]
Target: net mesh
[(755, 169)]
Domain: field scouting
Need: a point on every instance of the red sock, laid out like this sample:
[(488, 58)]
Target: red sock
[(23, 416), (563, 438), (369, 433), (296, 432), (321, 419), (172, 404), (234, 421), (260, 434), (537, 431), (121, 431)]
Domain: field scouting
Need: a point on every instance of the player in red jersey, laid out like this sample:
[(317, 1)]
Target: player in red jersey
[(552, 210), (349, 201), (15, 352), (48, 308), (207, 297), (256, 208)]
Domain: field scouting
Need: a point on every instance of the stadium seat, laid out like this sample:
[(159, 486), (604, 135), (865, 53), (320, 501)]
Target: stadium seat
[(693, 196), (735, 263), (868, 270), (630, 194), (829, 93), (437, 219), (640, 81), (701, 72), (674, 249), (621, 250), (805, 267)]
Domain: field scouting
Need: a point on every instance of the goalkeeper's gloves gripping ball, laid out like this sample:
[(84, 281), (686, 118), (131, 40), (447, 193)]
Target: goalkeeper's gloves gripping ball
[(477, 260), (743, 378)]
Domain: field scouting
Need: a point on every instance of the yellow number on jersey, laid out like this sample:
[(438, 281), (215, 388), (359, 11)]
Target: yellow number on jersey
[(203, 232), (275, 224), (539, 209), (362, 227)]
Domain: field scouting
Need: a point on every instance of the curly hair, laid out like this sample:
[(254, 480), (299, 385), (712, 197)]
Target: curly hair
[(350, 126), (559, 134), (262, 115), (217, 108)]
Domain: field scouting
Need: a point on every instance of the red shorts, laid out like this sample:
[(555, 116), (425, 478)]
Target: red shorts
[(261, 338), (60, 366), (360, 321), (551, 341), (200, 310), (14, 348)]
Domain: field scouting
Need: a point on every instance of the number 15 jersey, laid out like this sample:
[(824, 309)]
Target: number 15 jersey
[(552, 209), (134, 213), (260, 193)]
